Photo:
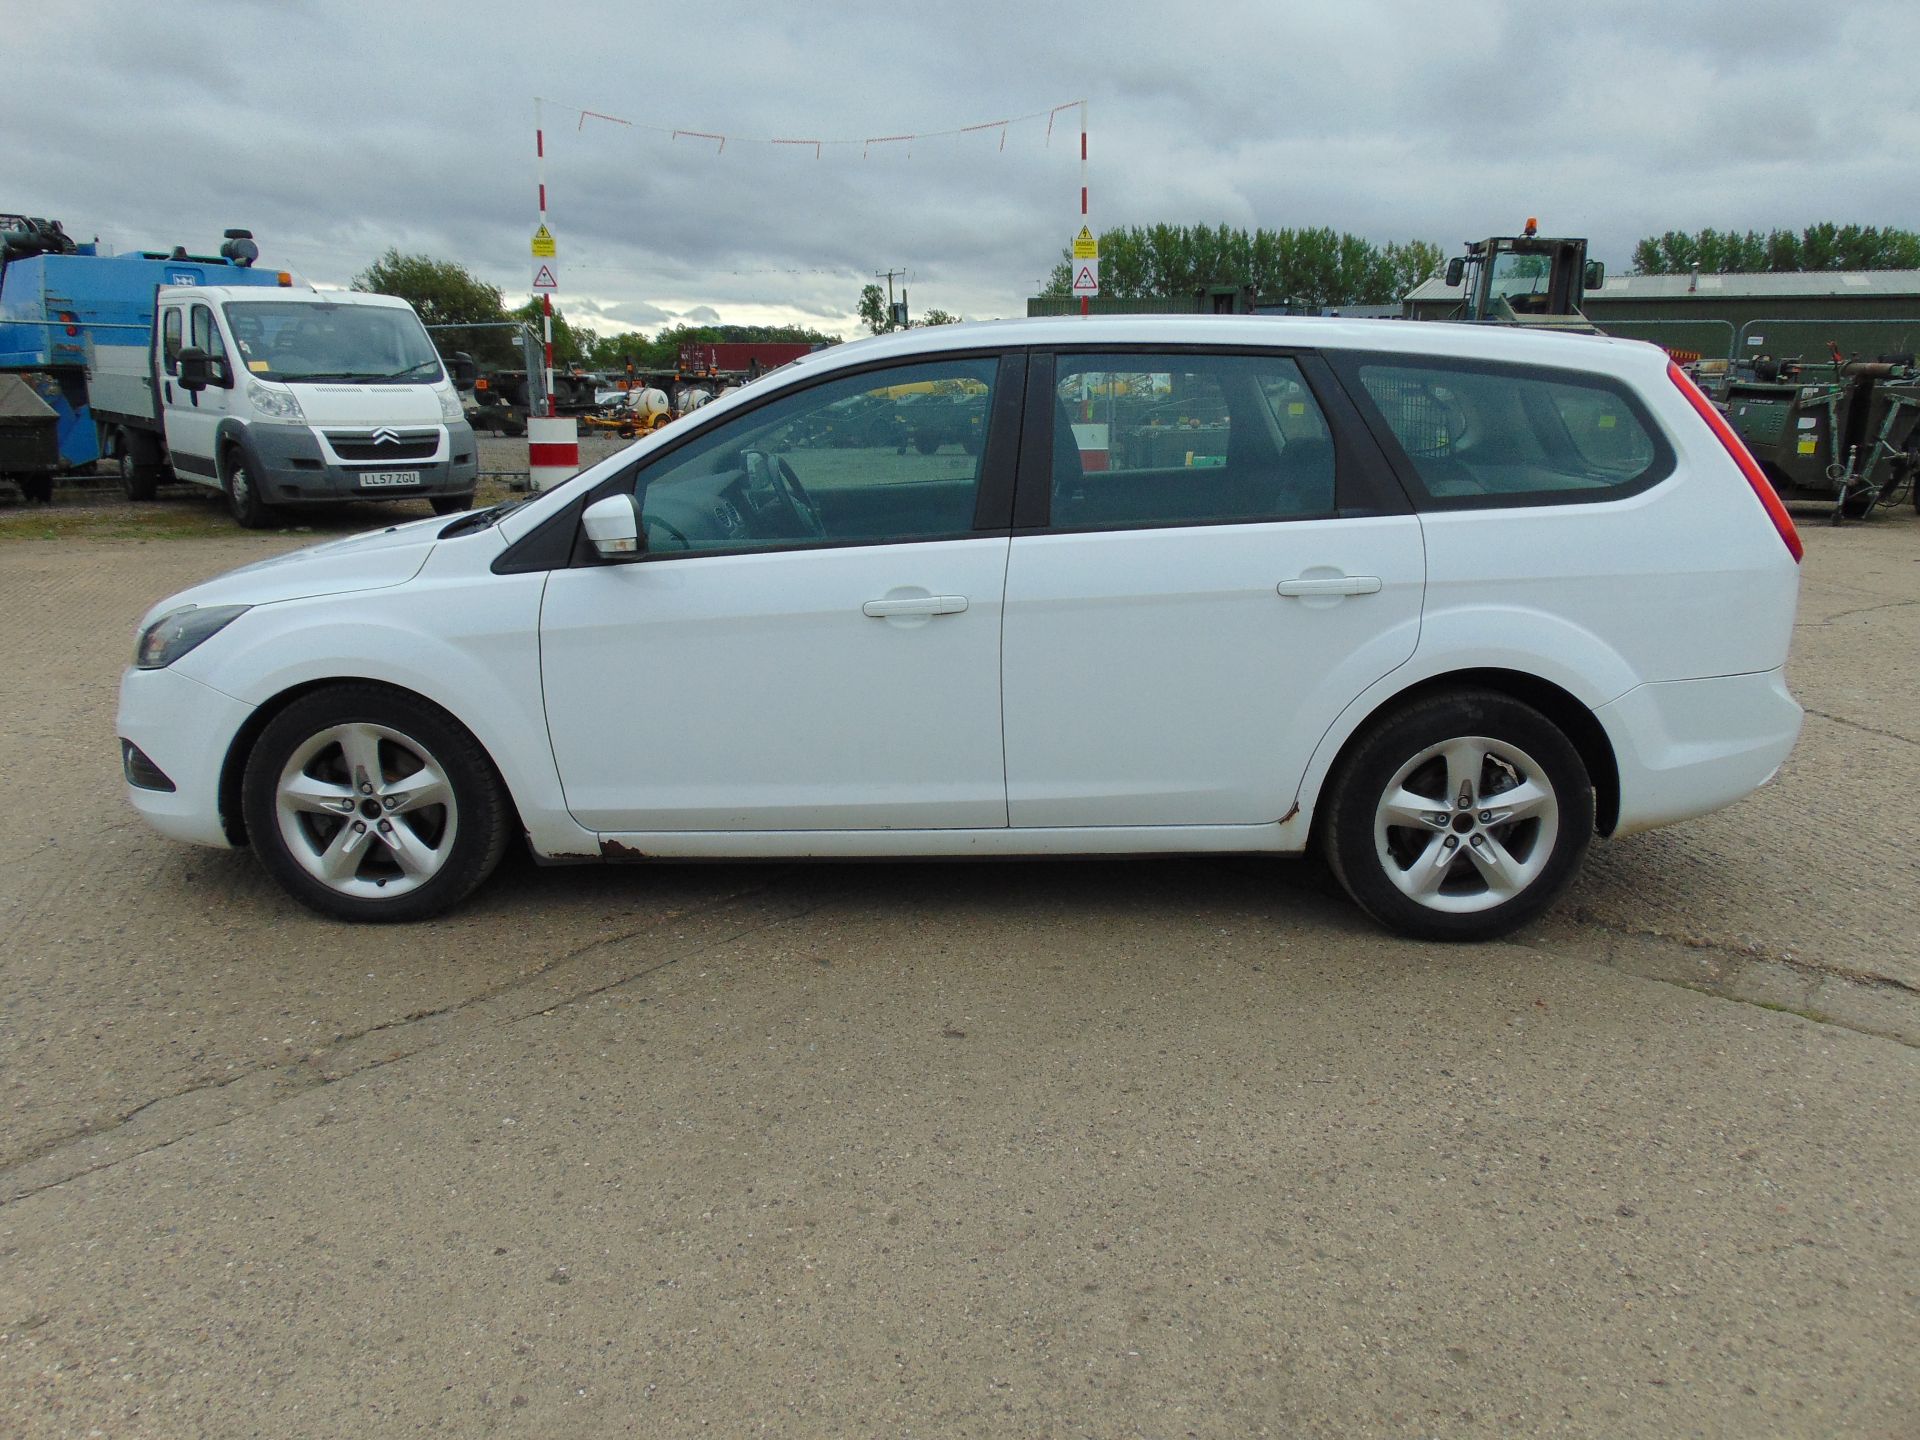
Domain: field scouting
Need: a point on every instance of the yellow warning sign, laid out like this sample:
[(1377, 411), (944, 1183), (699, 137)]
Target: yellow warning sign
[(543, 243), (1085, 247)]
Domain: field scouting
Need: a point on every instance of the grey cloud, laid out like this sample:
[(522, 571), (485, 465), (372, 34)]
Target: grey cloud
[(338, 130)]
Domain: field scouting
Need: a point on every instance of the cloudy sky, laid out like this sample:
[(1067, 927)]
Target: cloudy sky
[(335, 129)]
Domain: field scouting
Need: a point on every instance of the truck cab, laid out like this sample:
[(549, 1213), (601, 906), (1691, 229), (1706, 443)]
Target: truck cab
[(294, 396), (1527, 279)]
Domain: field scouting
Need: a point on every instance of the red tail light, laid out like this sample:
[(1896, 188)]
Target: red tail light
[(71, 321), (1743, 457)]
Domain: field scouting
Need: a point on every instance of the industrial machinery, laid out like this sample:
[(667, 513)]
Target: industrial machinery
[(1526, 279), (1846, 430)]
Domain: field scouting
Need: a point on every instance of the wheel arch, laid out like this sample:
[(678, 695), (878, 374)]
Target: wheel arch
[(1573, 718), (233, 768)]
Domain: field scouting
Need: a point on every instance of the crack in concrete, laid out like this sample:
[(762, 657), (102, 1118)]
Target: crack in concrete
[(292, 1083), (1858, 725), (1741, 978), (1860, 610)]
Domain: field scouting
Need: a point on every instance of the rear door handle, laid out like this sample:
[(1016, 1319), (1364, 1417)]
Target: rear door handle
[(1332, 585), (916, 605)]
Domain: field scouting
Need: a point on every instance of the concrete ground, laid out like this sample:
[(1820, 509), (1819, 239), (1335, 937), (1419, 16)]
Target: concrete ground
[(1103, 1149)]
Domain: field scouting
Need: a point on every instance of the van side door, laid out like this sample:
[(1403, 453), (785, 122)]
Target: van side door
[(192, 417)]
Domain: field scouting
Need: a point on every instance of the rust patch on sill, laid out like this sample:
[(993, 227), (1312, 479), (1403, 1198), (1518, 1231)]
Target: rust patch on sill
[(1291, 813), (614, 850)]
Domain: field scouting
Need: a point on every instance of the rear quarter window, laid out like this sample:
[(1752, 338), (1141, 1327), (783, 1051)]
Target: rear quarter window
[(1479, 435)]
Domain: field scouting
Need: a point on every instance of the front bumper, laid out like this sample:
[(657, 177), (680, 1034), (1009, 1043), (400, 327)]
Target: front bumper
[(295, 468), (186, 729), (1688, 747)]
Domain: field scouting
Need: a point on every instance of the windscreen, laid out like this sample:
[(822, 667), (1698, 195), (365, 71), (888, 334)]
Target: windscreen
[(279, 340)]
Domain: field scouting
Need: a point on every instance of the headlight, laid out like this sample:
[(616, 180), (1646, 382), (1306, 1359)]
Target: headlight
[(450, 407), (178, 631), (275, 405)]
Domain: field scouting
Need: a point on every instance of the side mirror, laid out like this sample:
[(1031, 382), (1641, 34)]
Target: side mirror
[(1596, 276), (196, 368), (462, 367), (613, 529), (1456, 270)]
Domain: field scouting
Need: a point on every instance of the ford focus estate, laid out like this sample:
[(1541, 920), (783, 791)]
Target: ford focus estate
[(1442, 602)]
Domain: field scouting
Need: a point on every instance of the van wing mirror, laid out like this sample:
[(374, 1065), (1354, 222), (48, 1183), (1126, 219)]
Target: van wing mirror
[(196, 368), (614, 530), (464, 370)]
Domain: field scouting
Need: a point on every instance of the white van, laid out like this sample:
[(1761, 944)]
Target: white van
[(1443, 602), (288, 396)]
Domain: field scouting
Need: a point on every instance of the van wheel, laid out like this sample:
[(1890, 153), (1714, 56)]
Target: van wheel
[(243, 493), (136, 480), (371, 804), (1459, 817)]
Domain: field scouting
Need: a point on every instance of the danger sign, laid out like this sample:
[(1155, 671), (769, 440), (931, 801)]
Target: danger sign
[(1085, 247), (546, 276), (543, 247), (1086, 277)]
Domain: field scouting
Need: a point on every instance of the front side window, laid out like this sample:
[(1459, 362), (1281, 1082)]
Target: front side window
[(1480, 435), (875, 458), (1178, 439), (170, 341), (206, 334)]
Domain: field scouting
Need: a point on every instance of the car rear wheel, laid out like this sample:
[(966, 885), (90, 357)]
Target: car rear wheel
[(1459, 817), (370, 804)]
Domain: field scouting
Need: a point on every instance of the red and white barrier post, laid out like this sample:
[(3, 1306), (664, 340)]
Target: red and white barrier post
[(553, 444)]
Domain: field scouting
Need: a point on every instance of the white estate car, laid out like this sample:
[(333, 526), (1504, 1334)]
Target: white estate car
[(1443, 601)]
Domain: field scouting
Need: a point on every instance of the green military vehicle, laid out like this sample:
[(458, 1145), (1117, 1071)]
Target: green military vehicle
[(1844, 430)]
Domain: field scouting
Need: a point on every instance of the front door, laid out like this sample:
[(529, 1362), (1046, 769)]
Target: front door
[(193, 417), (813, 639), (1220, 572)]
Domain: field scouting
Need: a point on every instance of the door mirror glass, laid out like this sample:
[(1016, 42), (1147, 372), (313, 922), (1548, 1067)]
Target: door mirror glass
[(612, 528), (1456, 271), (196, 368), (1596, 276)]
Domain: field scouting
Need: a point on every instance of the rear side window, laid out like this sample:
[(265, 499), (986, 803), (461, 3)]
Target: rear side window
[(1145, 439), (1493, 435)]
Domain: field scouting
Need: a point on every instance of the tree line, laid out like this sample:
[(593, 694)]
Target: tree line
[(1320, 266), (1824, 246), (445, 293)]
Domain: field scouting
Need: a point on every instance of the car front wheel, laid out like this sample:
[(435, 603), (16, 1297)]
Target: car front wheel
[(1459, 817), (370, 804)]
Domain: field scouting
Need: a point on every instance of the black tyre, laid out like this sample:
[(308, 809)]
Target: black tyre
[(243, 491), (37, 488), (451, 504), (1458, 817), (371, 804), (136, 480)]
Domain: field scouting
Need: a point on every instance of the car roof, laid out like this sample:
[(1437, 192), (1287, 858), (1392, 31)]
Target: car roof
[(1425, 337)]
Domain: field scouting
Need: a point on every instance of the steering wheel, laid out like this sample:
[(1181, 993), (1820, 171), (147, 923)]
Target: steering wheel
[(798, 501)]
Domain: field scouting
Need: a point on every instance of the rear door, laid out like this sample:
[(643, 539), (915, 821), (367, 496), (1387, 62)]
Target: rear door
[(1210, 561)]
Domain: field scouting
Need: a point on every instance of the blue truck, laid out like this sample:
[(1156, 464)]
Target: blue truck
[(207, 370), (68, 318)]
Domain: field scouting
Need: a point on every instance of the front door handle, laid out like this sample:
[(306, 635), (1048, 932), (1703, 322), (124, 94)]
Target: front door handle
[(915, 605), (1331, 585)]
